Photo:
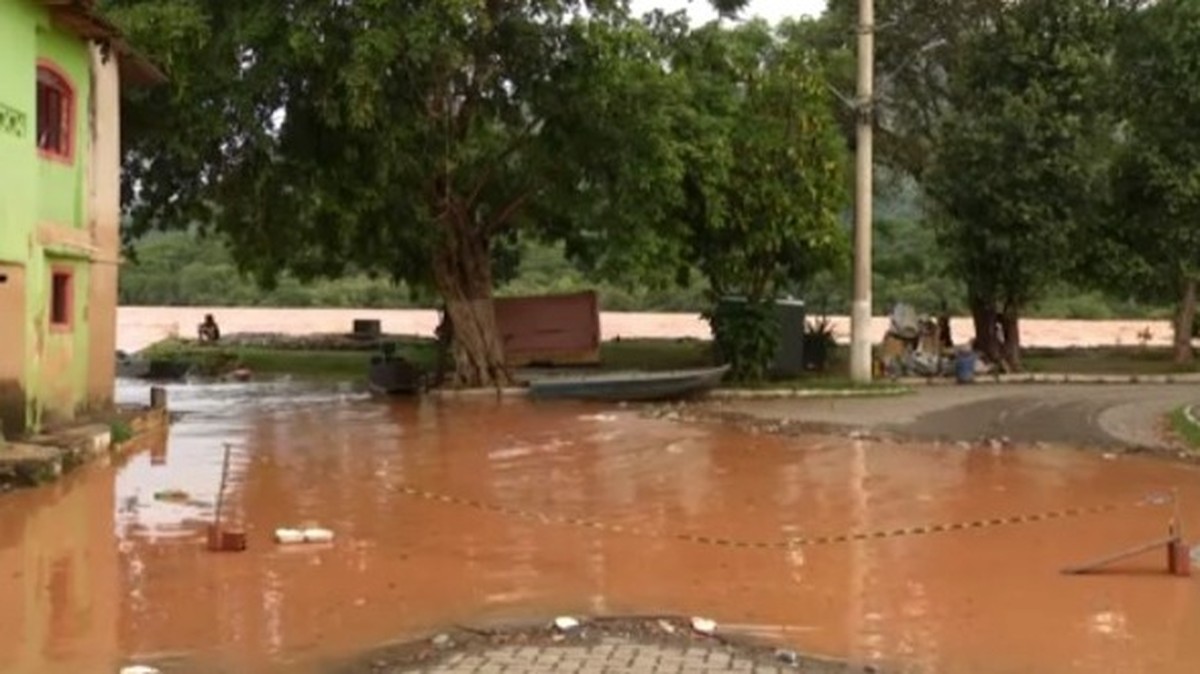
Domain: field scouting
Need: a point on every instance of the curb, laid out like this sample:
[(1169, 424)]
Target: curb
[(1066, 378)]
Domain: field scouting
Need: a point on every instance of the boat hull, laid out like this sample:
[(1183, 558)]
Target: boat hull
[(630, 387)]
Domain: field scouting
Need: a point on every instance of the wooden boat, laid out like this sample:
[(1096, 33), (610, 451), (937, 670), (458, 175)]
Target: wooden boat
[(388, 376), (630, 386)]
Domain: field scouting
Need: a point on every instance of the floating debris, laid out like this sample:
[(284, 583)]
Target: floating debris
[(288, 536), (565, 623), (172, 496), (704, 625)]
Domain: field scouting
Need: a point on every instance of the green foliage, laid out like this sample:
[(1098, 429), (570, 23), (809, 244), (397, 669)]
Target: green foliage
[(120, 431), (408, 139), (764, 180), (745, 337), (1184, 428), (1150, 247), (181, 268), (1021, 156), (921, 45)]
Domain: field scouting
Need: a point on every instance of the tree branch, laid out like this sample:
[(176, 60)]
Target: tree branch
[(506, 213)]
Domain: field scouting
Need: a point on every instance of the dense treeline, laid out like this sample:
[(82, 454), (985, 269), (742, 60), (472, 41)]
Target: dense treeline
[(1040, 156), (181, 269)]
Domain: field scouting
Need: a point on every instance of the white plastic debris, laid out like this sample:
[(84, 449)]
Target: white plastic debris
[(704, 625), (666, 627), (565, 623), (139, 669), (289, 536), (317, 535)]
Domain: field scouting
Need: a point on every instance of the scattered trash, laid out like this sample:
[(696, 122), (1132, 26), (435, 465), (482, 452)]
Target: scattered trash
[(666, 626), (1109, 456), (172, 495), (286, 536), (317, 535), (704, 625), (442, 641), (786, 656), (565, 623), (139, 669)]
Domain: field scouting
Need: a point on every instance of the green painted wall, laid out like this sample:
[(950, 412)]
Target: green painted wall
[(19, 169), (34, 191), (62, 189)]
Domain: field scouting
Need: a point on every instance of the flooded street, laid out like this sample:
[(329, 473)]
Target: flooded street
[(95, 571)]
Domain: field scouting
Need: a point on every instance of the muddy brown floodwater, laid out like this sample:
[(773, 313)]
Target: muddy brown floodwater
[(95, 572)]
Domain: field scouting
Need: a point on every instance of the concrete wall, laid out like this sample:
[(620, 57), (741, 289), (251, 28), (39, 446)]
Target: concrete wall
[(47, 221), (104, 225)]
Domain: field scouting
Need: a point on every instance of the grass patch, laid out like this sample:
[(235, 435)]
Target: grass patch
[(655, 354), (1184, 429), (216, 360), (120, 431), (1120, 360), (634, 354)]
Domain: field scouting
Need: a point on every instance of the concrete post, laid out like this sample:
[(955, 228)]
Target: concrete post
[(158, 397), (860, 310)]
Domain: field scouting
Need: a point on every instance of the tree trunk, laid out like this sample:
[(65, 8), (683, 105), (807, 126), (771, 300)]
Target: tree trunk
[(983, 311), (1185, 318), (463, 275), (1011, 329)]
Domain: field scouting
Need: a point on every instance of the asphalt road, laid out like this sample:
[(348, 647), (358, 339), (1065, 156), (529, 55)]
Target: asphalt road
[(1101, 416)]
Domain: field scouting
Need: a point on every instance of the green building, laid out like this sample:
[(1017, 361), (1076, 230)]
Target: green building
[(61, 69)]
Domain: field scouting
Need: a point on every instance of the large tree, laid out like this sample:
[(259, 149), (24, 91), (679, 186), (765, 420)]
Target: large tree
[(404, 137), (1151, 246), (920, 46), (1021, 158), (765, 179)]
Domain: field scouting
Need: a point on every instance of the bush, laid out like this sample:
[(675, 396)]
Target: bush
[(745, 337)]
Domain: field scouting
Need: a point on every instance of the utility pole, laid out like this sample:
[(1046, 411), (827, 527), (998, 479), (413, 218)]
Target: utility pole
[(860, 310)]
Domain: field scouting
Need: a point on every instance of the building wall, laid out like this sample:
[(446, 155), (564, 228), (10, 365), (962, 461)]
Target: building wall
[(18, 170), (104, 223), (45, 220)]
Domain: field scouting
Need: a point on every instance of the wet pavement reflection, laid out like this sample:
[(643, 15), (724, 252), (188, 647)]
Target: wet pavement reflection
[(95, 570)]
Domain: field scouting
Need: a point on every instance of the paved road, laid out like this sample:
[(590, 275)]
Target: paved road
[(1103, 415)]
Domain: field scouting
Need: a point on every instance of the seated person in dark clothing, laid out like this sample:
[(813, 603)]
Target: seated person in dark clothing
[(209, 332)]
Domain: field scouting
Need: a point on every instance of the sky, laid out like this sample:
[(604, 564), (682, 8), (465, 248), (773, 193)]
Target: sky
[(700, 12)]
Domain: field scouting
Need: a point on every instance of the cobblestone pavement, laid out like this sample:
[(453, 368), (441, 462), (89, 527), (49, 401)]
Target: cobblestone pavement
[(615, 656)]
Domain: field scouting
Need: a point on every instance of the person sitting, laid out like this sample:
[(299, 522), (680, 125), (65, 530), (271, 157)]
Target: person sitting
[(209, 332)]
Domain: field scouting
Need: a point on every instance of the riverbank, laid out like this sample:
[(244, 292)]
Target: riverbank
[(340, 356)]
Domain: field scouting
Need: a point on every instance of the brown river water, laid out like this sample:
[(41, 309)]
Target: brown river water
[(95, 572)]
